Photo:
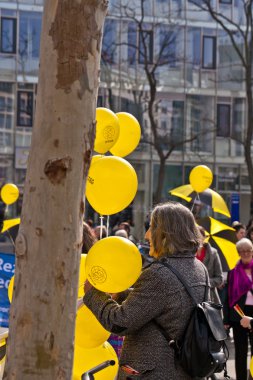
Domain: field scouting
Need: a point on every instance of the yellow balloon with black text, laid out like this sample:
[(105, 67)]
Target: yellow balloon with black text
[(113, 264), (201, 178), (111, 185), (89, 332), (82, 275), (85, 359), (10, 288), (129, 135), (9, 193), (107, 130)]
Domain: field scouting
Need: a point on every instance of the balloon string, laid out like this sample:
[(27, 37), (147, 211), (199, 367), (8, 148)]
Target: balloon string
[(11, 239), (107, 226), (101, 226)]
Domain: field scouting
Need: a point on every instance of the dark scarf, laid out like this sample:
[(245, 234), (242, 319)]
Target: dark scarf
[(239, 283)]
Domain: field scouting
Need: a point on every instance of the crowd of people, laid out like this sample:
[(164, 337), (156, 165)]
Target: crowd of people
[(158, 300)]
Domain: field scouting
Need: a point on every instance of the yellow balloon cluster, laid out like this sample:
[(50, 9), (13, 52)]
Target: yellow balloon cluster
[(201, 178), (118, 133), (9, 193), (112, 182), (113, 264)]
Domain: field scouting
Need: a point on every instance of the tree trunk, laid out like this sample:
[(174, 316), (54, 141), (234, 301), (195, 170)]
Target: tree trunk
[(49, 242), (160, 181)]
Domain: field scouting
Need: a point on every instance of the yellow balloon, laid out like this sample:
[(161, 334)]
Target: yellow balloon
[(89, 332), (111, 185), (107, 130), (96, 158), (129, 135), (82, 275), (10, 288), (113, 264), (251, 366), (201, 178), (87, 359), (9, 193)]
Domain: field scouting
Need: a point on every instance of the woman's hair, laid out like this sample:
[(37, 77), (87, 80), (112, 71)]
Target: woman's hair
[(89, 238), (249, 232), (173, 229), (242, 243)]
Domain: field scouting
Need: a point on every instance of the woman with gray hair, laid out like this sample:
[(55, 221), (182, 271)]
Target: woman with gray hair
[(158, 300), (240, 291)]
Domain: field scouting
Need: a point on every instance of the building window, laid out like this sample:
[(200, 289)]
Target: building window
[(225, 1), (131, 43), (8, 35), (223, 120), (25, 109), (29, 34), (145, 46), (209, 52), (108, 46), (167, 51)]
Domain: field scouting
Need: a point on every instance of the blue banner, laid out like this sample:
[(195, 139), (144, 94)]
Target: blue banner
[(235, 207), (7, 267)]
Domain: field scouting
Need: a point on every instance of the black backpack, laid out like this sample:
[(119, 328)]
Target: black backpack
[(202, 350)]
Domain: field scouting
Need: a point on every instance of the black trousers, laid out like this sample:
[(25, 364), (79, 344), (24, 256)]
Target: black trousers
[(241, 338)]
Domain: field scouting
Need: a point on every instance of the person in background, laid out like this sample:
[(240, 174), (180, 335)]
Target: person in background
[(98, 233), (121, 233), (210, 258), (249, 224), (240, 284), (89, 238), (158, 300), (240, 230), (249, 234), (126, 226)]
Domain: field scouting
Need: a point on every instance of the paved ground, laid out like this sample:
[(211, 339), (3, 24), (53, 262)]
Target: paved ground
[(231, 361)]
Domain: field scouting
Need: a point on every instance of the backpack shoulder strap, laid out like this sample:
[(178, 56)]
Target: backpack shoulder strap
[(182, 280)]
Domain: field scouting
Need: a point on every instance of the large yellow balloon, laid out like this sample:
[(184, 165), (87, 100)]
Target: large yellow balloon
[(107, 130), (10, 288), (96, 158), (129, 135), (111, 185), (89, 332), (113, 264), (87, 359), (201, 178), (82, 275), (9, 193)]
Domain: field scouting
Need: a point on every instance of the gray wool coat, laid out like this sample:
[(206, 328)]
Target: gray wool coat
[(213, 265), (158, 296)]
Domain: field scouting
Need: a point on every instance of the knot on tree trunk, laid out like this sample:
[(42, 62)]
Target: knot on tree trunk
[(56, 169)]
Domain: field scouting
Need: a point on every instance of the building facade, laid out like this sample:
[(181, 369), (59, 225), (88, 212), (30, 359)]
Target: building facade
[(200, 92)]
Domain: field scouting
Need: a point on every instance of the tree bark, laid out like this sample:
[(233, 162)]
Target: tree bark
[(48, 246)]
